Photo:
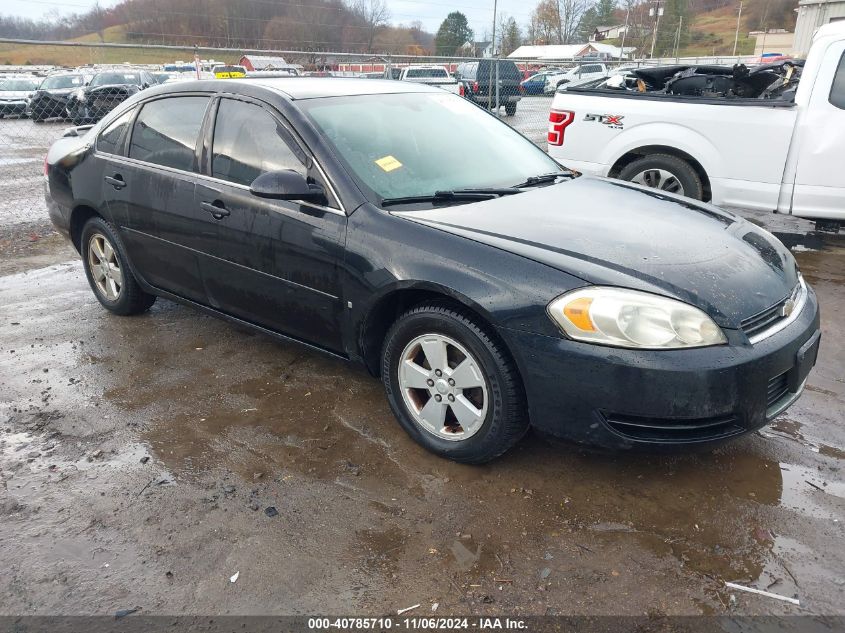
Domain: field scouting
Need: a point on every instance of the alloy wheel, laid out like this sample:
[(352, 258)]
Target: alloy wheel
[(104, 267), (659, 179), (443, 387)]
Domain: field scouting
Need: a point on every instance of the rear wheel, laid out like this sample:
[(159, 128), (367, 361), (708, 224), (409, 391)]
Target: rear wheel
[(452, 385), (665, 172), (510, 109), (108, 271)]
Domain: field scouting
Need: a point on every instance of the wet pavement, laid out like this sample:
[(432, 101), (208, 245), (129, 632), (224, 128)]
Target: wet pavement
[(145, 460)]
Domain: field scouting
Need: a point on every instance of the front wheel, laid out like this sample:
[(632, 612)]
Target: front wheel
[(665, 172), (452, 385), (108, 272)]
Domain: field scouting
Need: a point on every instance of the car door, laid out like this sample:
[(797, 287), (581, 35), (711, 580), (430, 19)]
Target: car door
[(276, 262), (819, 186), (166, 236)]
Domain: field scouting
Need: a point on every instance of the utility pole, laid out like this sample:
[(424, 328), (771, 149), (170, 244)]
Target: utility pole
[(624, 33), (738, 18), (678, 38), (655, 11), (492, 61)]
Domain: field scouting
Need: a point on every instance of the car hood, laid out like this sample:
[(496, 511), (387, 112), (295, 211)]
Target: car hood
[(57, 92), (612, 233), (15, 94), (107, 87)]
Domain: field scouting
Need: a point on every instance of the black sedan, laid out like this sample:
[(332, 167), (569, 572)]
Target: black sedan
[(104, 92), (489, 295), (51, 97)]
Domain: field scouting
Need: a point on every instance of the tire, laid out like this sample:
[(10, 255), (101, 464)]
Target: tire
[(498, 406), (129, 298), (38, 118), (666, 172), (510, 109)]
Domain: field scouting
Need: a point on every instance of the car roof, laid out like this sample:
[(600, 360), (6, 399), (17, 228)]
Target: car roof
[(317, 87)]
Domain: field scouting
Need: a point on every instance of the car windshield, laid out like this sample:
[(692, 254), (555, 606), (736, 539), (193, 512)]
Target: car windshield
[(415, 144), (108, 79), (18, 84), (62, 81), (427, 72)]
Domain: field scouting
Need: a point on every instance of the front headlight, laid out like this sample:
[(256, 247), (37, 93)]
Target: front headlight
[(634, 319)]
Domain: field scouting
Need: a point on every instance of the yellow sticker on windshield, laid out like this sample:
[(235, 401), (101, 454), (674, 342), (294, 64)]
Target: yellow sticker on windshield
[(388, 163)]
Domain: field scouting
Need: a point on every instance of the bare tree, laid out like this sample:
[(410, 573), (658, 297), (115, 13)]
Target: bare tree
[(374, 14)]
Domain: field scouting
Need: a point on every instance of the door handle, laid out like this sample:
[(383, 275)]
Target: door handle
[(217, 210), (116, 181)]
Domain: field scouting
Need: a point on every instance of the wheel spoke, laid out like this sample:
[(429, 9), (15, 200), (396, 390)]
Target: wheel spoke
[(435, 352), (97, 248), (465, 412), (112, 289), (98, 273), (434, 414), (108, 251), (466, 375), (116, 274), (414, 376)]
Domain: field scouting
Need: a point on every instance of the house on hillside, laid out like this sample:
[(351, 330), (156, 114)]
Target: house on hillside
[(476, 49), (773, 41), (608, 32)]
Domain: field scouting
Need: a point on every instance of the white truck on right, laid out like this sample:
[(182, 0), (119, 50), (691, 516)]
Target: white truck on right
[(712, 142)]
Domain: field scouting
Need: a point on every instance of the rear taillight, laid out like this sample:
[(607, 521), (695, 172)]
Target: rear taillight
[(462, 90), (521, 89), (559, 120), (475, 86)]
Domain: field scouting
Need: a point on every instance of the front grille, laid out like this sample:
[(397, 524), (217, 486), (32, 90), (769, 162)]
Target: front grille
[(672, 430), (771, 316), (777, 389)]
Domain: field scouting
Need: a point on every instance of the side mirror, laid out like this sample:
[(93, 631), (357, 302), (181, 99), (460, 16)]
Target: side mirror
[(287, 184)]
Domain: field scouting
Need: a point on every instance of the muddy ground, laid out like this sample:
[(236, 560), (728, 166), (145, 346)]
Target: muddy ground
[(144, 461)]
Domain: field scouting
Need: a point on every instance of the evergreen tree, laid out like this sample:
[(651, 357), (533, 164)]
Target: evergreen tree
[(453, 33)]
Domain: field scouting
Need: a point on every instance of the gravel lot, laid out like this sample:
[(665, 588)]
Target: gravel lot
[(140, 459)]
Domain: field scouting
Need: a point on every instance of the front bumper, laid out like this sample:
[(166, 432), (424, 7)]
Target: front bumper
[(621, 398), (13, 107)]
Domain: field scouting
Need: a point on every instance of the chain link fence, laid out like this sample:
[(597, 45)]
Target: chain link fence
[(39, 84)]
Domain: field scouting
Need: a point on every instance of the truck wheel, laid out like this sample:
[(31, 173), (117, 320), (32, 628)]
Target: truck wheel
[(665, 172), (452, 385), (510, 109)]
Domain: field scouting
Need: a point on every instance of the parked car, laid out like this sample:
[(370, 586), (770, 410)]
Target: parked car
[(15, 94), (104, 92), (51, 97), (431, 76), (488, 295), (701, 132), (477, 82), (578, 73), (535, 84)]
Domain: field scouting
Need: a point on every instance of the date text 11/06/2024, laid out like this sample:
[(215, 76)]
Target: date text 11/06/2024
[(382, 624)]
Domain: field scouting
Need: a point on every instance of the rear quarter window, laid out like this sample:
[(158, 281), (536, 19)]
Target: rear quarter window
[(111, 138), (837, 91)]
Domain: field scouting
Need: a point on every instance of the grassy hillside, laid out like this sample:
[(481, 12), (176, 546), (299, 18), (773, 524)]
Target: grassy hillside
[(79, 56), (713, 32)]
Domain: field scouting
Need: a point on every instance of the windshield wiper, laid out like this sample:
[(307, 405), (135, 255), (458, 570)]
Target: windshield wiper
[(460, 195), (538, 180)]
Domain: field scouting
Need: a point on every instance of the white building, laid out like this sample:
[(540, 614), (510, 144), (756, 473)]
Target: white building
[(571, 51), (811, 15)]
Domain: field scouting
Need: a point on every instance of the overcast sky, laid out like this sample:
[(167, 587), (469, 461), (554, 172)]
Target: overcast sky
[(429, 12)]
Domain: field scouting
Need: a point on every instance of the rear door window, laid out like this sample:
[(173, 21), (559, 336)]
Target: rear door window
[(248, 142), (166, 131)]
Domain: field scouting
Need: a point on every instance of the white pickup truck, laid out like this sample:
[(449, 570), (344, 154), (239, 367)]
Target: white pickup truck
[(705, 139), (430, 76)]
